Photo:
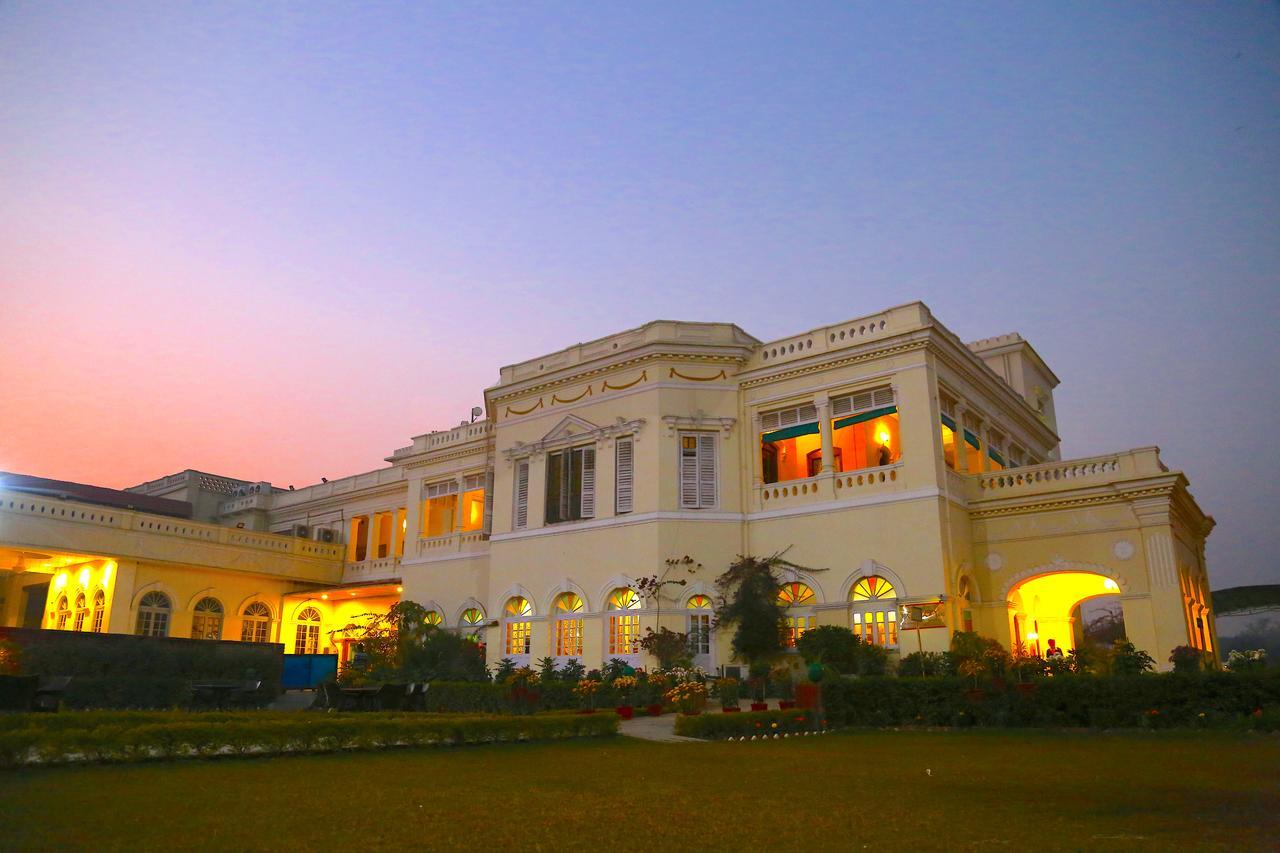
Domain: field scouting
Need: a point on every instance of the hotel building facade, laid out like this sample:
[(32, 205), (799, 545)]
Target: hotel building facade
[(918, 476)]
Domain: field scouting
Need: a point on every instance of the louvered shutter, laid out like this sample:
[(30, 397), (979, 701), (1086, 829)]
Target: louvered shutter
[(789, 417), (588, 504), (706, 470), (624, 476), (487, 527), (522, 495), (863, 401), (688, 471)]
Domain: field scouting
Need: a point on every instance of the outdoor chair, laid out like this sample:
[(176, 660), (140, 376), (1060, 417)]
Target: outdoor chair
[(49, 692), (246, 695), (333, 700), (418, 697)]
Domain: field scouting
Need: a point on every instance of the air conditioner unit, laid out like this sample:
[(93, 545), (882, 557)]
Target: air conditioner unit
[(737, 672), (301, 531), (325, 534)]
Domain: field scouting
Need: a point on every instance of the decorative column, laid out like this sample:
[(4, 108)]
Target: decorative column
[(823, 404)]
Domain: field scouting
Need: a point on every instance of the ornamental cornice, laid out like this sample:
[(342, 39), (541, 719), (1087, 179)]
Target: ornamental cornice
[(591, 374), (808, 368), (699, 421), (522, 449), (1024, 507), (432, 457), (995, 388)]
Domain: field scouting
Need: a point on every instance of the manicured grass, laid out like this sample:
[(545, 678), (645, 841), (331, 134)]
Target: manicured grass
[(901, 790)]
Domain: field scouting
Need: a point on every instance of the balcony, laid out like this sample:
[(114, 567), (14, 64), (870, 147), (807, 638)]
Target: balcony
[(458, 542), (847, 485), (384, 568), (1063, 476)]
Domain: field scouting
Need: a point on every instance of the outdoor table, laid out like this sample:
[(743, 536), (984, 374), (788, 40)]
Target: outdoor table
[(219, 691), (362, 696)]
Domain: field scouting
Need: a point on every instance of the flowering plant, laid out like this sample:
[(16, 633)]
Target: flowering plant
[(728, 690), (624, 684), (586, 691), (689, 696), (1246, 660), (523, 677)]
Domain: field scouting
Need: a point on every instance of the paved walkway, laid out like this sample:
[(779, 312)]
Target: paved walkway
[(656, 728)]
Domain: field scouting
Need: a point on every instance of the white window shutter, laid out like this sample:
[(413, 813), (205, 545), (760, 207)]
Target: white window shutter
[(688, 474), (624, 476), (706, 470), (487, 524), (882, 397), (588, 482), (841, 406), (522, 495)]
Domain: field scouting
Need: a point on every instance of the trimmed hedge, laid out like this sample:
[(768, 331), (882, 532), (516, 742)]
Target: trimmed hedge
[(467, 697), (714, 726), (1162, 700), (125, 671), (143, 737)]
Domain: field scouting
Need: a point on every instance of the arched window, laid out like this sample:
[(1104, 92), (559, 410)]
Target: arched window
[(874, 615), (964, 596), (624, 626), (62, 614), (471, 622), (99, 610), (517, 626), (568, 608), (432, 617), (82, 612), (206, 624), (153, 615), (306, 639), (698, 625), (794, 596), (255, 626)]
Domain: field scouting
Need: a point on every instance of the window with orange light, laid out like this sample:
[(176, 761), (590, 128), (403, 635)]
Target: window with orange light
[(624, 628), (794, 624), (790, 444), (473, 509), (874, 612), (568, 608), (439, 510), (864, 433), (950, 448)]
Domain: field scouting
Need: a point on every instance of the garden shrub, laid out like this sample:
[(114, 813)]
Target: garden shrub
[(89, 736), (838, 647), (758, 723)]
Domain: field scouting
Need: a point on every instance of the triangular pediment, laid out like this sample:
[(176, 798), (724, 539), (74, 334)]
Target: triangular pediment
[(571, 425)]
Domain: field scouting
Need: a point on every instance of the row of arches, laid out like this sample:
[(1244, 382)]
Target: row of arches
[(208, 618), (83, 616)]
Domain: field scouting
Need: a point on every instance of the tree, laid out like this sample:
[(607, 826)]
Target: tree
[(840, 648), (749, 605), (400, 645)]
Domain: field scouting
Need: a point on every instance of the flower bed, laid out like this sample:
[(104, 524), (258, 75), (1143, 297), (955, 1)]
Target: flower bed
[(141, 736), (756, 723)]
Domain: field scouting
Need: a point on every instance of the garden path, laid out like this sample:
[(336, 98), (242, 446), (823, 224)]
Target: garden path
[(656, 728)]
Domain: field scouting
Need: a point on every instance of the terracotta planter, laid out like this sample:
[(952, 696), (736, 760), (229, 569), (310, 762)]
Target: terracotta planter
[(734, 709), (759, 706), (625, 711), (807, 695), (654, 710), (786, 704)]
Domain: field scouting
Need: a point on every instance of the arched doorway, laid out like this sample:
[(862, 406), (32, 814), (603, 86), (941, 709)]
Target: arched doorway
[(1048, 606)]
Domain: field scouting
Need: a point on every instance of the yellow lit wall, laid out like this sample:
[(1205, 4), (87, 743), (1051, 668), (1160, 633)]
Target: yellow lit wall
[(859, 444), (1045, 604), (473, 509), (793, 456)]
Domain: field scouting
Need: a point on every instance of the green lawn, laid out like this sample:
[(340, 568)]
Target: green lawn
[(904, 790)]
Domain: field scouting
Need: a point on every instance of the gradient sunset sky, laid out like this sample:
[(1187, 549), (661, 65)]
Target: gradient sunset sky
[(275, 241)]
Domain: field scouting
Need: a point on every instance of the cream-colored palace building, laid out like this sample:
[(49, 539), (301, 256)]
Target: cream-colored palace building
[(918, 475)]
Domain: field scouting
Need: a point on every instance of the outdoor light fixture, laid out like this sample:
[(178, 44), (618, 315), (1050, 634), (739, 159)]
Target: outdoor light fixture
[(1110, 584), (60, 581), (1033, 636), (325, 596), (84, 577)]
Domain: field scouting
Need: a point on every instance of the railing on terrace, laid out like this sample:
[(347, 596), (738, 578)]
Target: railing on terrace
[(827, 487), (458, 542), (1065, 474), (354, 483), (20, 503), (382, 568)]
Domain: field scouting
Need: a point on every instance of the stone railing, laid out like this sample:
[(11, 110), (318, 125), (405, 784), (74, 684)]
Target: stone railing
[(828, 487), (19, 505), (457, 542), (383, 568), (852, 484), (355, 483), (1066, 474), (839, 336)]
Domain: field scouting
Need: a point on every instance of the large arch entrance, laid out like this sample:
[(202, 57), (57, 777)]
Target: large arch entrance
[(1048, 607)]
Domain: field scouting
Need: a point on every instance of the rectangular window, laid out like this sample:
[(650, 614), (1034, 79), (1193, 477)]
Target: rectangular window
[(865, 431), (520, 515), (571, 485), (995, 456), (254, 630), (439, 510), (877, 627), (518, 634), (624, 635), (698, 470), (790, 444), (793, 629), (568, 638), (97, 619), (972, 449), (307, 639), (473, 502), (358, 547), (949, 449), (624, 476), (699, 630)]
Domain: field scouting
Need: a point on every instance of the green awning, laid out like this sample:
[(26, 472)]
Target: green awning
[(948, 422), (971, 439), (996, 456), (866, 416), (790, 432)]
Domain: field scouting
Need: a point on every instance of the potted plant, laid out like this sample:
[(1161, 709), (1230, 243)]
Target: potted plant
[(689, 696), (781, 678), (586, 690), (757, 674), (728, 690), (523, 696), (657, 685), (972, 668), (1024, 666), (624, 684)]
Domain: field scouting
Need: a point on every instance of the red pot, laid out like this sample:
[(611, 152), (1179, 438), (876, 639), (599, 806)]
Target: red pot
[(807, 695), (759, 706), (733, 710), (625, 711), (786, 704), (653, 710)]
